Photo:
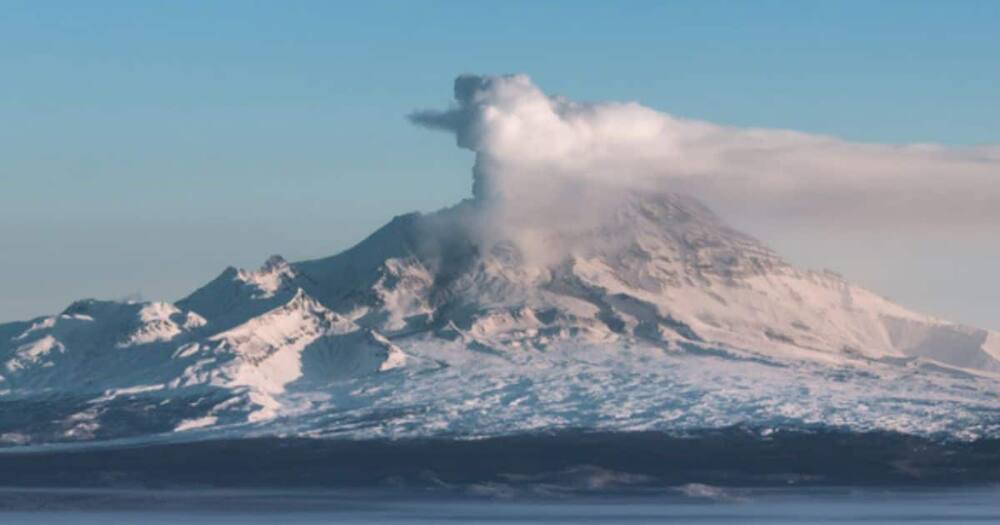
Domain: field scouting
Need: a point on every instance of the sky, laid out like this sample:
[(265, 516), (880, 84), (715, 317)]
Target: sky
[(147, 145)]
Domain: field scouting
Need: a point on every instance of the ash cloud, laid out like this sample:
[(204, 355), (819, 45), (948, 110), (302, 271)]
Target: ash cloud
[(543, 158)]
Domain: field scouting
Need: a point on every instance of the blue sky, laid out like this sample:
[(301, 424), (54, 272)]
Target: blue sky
[(149, 144)]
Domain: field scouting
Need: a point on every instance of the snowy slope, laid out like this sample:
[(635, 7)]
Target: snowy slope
[(659, 316)]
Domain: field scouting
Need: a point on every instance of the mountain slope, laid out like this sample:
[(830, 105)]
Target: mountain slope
[(656, 316)]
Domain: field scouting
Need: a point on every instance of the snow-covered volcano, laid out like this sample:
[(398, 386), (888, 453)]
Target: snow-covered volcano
[(657, 317), (577, 289)]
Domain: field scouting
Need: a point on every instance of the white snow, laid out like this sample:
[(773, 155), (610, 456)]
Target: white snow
[(662, 318), (191, 424)]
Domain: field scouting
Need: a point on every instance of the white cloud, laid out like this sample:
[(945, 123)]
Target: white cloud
[(538, 153)]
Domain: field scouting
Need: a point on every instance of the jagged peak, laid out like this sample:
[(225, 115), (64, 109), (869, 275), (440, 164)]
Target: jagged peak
[(300, 307), (274, 263), (266, 282), (302, 301)]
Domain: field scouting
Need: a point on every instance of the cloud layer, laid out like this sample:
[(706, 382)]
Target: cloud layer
[(536, 152)]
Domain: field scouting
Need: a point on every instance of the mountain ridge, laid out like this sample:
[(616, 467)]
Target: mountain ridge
[(443, 324)]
